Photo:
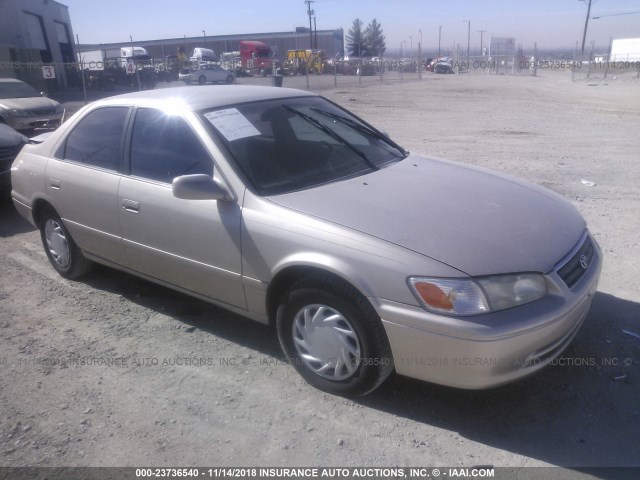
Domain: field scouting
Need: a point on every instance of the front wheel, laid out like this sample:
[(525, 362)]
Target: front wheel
[(230, 79), (62, 251), (333, 337), (202, 80)]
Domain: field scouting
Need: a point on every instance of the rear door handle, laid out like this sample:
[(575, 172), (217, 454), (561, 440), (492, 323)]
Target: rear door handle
[(131, 206), (54, 183)]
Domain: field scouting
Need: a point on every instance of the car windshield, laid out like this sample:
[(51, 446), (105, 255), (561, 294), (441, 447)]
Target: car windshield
[(297, 143), (17, 90)]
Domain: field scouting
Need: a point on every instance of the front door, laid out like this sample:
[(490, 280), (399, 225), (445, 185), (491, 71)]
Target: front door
[(194, 244)]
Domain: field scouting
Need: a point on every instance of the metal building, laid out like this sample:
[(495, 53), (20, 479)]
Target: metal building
[(36, 34), (331, 41)]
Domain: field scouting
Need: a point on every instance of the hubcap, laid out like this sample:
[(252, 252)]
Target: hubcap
[(326, 342), (57, 243)]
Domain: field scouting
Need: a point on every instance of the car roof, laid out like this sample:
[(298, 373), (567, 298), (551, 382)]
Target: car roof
[(203, 97)]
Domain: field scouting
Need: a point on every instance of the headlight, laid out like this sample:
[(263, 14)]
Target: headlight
[(14, 112), (460, 296)]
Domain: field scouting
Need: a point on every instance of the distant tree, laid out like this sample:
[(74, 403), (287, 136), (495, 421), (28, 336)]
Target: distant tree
[(374, 38), (356, 42)]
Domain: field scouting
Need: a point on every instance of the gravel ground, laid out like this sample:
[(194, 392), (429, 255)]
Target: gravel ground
[(168, 380)]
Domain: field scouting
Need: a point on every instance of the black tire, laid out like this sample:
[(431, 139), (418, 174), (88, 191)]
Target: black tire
[(263, 72), (76, 264), (375, 363), (202, 80), (230, 79)]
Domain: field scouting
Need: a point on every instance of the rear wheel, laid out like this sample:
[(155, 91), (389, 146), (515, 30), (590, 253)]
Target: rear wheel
[(230, 79), (333, 336), (62, 251), (202, 80)]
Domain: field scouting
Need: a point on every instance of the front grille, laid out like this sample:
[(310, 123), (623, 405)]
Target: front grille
[(42, 112), (573, 270)]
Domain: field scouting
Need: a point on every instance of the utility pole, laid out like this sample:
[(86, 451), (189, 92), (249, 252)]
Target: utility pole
[(481, 32), (468, 40), (310, 13), (315, 33), (204, 36), (586, 24), (439, 39)]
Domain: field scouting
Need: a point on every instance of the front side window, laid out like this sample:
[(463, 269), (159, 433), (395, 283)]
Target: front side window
[(97, 138), (163, 147)]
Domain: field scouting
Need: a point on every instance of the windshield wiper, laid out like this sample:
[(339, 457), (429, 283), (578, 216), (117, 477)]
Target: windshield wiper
[(332, 134), (361, 128)]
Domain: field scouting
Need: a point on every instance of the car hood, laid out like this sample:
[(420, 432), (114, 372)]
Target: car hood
[(29, 103), (476, 221), (9, 137)]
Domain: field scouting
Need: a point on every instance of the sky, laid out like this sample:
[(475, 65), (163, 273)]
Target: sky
[(550, 23)]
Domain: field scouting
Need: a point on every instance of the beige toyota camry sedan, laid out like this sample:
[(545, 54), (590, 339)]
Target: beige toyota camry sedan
[(285, 208)]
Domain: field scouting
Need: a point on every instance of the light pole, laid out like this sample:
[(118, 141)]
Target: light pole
[(439, 39), (204, 36), (468, 40), (420, 55), (481, 32), (411, 40)]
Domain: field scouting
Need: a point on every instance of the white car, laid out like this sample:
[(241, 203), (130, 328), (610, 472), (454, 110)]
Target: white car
[(206, 73)]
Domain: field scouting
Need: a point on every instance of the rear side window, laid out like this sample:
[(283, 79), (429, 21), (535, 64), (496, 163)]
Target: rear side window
[(164, 147), (97, 137)]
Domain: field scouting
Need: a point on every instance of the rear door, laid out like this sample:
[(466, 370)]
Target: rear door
[(194, 244), (82, 182)]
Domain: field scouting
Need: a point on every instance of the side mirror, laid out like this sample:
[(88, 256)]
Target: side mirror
[(200, 187)]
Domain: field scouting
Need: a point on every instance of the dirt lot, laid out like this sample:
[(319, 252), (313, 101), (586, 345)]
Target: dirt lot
[(244, 406)]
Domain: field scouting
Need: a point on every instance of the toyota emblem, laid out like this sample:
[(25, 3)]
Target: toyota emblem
[(583, 262)]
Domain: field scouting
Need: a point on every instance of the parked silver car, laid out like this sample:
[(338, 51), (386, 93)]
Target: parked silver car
[(207, 73), (24, 109), (283, 207)]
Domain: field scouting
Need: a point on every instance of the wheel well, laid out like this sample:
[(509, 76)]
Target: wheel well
[(38, 207), (285, 279)]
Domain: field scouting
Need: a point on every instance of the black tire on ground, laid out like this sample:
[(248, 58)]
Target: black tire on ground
[(75, 264), (202, 80), (375, 363), (230, 79)]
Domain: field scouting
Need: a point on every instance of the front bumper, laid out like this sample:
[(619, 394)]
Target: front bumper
[(30, 123), (492, 349)]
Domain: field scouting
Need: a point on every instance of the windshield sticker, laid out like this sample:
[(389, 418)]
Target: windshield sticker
[(231, 124)]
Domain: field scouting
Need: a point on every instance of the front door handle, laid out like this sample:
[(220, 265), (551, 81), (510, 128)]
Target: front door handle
[(131, 206), (54, 183)]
